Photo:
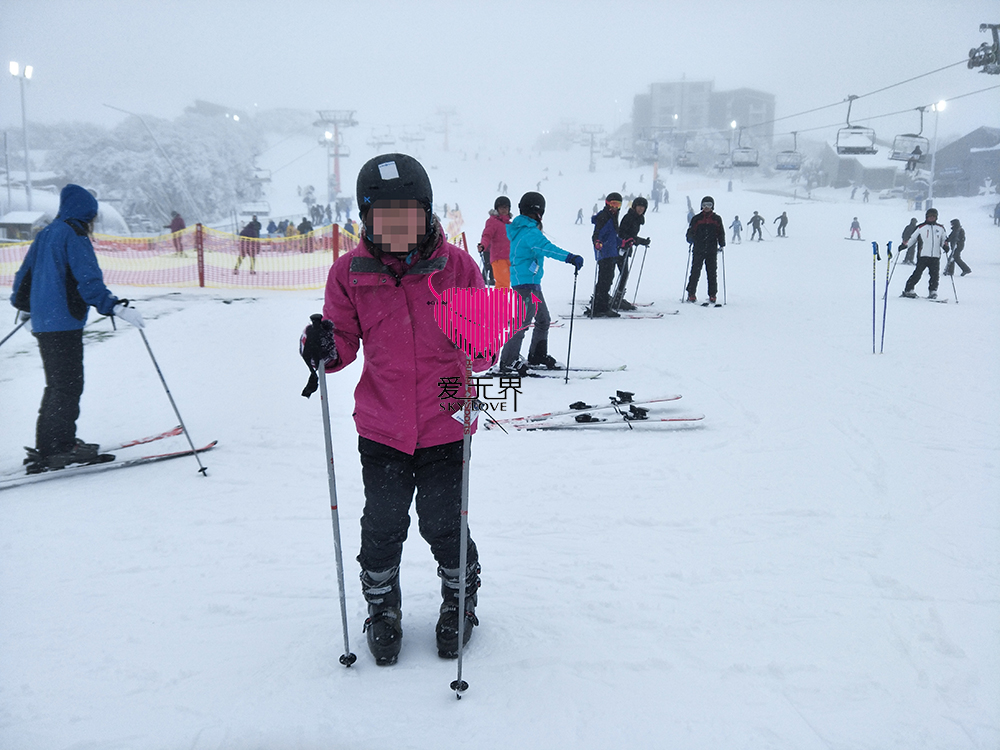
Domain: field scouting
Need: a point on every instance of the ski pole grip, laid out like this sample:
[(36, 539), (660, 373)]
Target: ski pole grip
[(316, 317)]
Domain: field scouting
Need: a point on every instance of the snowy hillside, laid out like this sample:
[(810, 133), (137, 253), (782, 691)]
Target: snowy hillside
[(815, 566)]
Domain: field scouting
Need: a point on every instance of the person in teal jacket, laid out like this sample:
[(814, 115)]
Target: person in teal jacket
[(528, 249), (56, 285)]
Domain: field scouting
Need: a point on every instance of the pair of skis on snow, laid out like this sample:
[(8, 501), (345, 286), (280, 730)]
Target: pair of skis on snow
[(623, 410), (104, 461), (539, 371)]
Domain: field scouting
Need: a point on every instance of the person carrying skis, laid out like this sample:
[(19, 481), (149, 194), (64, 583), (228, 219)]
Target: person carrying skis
[(783, 219), (931, 240), (737, 227), (628, 233), (856, 229), (606, 244), (707, 236), (378, 294), (528, 250), (956, 241), (57, 283), (911, 252), (494, 247), (756, 221)]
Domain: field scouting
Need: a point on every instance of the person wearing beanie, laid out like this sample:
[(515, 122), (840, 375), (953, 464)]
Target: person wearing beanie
[(956, 241), (606, 245), (494, 247), (706, 235), (628, 233), (528, 250), (378, 296), (931, 240)]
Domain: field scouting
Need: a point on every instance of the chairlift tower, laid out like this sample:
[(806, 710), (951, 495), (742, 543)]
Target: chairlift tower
[(445, 113), (337, 118), (592, 131)]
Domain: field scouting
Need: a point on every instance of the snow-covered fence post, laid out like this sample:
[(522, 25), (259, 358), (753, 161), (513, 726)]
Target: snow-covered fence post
[(199, 246)]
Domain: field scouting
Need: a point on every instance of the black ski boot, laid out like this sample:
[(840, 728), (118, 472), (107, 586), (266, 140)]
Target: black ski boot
[(447, 624), (384, 624), (539, 356)]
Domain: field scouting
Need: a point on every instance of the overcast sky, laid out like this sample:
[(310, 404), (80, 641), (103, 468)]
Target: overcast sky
[(511, 69)]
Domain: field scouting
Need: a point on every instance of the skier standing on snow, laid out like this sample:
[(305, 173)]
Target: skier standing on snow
[(911, 252), (606, 245), (248, 248), (528, 249), (176, 225), (956, 241), (783, 219), (628, 233), (931, 239), (707, 236), (494, 247), (737, 227), (56, 285), (756, 221), (378, 293), (856, 229)]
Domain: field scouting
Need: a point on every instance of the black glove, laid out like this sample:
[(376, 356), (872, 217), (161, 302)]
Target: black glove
[(575, 260), (122, 301), (316, 345), (643, 241)]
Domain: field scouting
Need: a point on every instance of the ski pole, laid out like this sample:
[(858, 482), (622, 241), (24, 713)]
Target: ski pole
[(347, 658), (875, 258), (893, 269), (572, 311), (686, 265), (951, 276), (638, 278), (459, 685), (885, 297), (723, 251), (16, 329), (203, 470)]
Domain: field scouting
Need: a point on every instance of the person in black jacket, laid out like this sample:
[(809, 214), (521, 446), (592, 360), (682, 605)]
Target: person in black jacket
[(707, 236), (956, 241), (911, 252), (628, 233)]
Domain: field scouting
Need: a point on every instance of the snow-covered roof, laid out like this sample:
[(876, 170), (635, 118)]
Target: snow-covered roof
[(22, 217)]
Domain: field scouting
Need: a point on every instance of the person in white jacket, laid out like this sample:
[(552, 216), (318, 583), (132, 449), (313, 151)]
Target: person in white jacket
[(931, 241)]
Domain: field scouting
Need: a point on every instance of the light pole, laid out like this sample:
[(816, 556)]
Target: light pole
[(937, 113), (15, 70)]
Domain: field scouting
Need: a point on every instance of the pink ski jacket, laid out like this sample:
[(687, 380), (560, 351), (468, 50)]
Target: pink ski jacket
[(398, 401), (495, 238)]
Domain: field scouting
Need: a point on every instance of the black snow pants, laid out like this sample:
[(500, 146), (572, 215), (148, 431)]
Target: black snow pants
[(390, 477), (931, 264), (606, 268), (62, 360), (709, 259)]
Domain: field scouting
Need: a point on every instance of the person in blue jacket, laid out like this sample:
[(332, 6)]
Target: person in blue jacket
[(528, 248), (56, 285), (606, 252)]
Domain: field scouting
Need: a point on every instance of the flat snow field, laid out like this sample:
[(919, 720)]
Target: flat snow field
[(813, 566)]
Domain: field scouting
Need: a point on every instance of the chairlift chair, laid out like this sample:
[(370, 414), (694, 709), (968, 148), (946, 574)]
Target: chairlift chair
[(789, 161), (743, 156), (855, 139), (911, 147)]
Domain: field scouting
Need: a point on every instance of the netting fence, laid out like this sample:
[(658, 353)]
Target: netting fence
[(203, 257)]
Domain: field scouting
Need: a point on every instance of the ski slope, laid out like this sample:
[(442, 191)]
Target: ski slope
[(814, 566)]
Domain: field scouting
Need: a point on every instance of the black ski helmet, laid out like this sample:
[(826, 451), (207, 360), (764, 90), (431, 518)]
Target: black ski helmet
[(710, 201), (613, 197), (503, 200), (394, 177), (640, 201), (929, 212), (532, 204)]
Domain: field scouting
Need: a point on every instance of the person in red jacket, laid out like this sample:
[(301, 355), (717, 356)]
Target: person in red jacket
[(707, 236), (377, 294), (494, 247)]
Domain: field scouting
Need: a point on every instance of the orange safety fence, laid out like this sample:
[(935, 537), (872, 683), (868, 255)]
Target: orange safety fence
[(203, 257)]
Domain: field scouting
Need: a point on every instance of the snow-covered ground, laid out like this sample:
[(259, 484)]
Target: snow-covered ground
[(816, 566)]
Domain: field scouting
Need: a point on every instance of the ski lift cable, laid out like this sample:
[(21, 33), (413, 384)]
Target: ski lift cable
[(275, 171), (859, 96), (889, 114)]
